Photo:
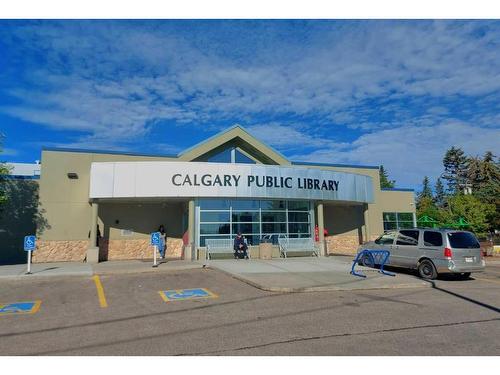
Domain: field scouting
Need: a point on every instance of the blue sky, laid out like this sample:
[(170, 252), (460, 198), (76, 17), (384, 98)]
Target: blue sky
[(397, 93)]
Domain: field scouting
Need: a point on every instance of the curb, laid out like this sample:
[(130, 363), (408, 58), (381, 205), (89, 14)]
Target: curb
[(92, 272), (315, 288)]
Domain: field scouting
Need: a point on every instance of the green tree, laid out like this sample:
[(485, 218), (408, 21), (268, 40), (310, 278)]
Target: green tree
[(484, 175), (472, 210), (385, 183), (427, 207), (455, 169), (439, 197), (426, 192), (4, 171), (426, 188)]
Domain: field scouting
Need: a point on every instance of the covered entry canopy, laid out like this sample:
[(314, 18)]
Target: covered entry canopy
[(202, 179)]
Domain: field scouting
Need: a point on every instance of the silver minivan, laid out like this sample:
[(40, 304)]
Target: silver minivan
[(430, 251)]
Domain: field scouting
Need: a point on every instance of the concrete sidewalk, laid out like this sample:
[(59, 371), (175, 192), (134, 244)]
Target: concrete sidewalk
[(311, 274), (276, 275), (86, 269)]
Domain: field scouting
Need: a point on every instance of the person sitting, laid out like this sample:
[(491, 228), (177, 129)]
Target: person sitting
[(240, 247)]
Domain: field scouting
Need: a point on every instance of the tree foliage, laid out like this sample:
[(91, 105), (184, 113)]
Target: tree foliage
[(481, 209), (439, 194), (4, 171), (474, 211), (385, 182), (455, 165)]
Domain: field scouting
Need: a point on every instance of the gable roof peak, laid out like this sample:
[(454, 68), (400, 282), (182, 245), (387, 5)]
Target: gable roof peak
[(245, 136)]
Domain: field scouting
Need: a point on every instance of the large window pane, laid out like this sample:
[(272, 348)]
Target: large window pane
[(397, 220), (390, 225), (300, 235), (389, 216), (245, 205), (405, 216), (298, 228), (273, 205), (242, 158), (246, 216), (246, 228), (273, 228), (214, 204), (252, 240), (301, 217), (222, 157), (214, 228), (221, 218), (405, 224), (298, 205), (273, 217), (214, 216)]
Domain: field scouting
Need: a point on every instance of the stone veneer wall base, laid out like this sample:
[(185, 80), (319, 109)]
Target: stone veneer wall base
[(343, 244), (76, 251), (137, 249), (60, 251)]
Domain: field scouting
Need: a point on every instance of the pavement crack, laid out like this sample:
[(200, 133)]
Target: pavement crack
[(322, 337)]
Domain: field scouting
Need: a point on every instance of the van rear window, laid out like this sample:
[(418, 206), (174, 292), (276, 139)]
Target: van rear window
[(463, 240)]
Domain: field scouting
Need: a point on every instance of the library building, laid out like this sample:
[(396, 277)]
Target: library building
[(102, 205)]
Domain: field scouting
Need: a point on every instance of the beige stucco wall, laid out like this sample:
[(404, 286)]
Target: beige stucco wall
[(67, 211), (345, 223), (66, 201)]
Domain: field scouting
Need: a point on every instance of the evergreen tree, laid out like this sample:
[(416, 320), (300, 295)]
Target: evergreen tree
[(455, 170), (484, 175), (425, 193), (439, 198), (426, 188), (385, 183)]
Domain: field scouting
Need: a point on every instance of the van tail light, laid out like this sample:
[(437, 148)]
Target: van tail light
[(447, 253)]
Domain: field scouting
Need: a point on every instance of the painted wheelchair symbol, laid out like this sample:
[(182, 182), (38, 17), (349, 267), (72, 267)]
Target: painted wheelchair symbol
[(186, 294), (20, 308)]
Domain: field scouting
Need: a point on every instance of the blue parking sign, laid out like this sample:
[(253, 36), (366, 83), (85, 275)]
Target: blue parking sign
[(29, 243), (155, 238)]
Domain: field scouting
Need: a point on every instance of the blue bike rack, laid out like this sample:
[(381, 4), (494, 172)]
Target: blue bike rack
[(376, 257)]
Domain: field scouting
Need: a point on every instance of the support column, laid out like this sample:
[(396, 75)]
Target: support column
[(189, 250), (93, 249), (321, 230), (367, 223)]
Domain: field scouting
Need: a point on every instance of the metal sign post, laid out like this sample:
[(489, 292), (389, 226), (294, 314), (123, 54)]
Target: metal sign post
[(155, 241), (29, 247)]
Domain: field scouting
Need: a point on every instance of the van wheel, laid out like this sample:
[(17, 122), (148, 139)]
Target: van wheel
[(426, 270)]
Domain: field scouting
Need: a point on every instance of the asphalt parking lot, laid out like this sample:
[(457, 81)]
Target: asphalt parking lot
[(454, 318)]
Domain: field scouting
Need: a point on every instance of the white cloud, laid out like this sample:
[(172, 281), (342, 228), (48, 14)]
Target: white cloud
[(411, 152), (285, 137), (9, 152), (119, 75)]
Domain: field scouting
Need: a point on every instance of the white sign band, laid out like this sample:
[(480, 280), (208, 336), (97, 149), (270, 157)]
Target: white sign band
[(198, 179)]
